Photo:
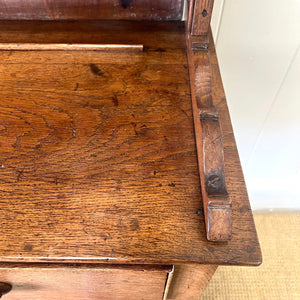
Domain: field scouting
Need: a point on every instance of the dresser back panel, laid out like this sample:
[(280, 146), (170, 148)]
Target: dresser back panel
[(91, 9)]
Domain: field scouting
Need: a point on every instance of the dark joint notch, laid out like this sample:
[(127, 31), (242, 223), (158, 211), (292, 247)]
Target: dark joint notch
[(209, 113), (215, 184), (200, 46), (200, 43), (219, 201)]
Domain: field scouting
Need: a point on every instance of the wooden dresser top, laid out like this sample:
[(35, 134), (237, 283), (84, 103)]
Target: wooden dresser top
[(98, 160)]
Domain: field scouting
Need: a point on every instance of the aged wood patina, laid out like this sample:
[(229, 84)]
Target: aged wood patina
[(112, 156)]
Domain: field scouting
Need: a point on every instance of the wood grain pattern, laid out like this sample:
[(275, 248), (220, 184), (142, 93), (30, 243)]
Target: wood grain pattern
[(91, 9), (202, 13), (190, 281), (71, 282), (98, 158)]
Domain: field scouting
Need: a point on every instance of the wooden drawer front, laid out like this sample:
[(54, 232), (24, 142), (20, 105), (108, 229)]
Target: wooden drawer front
[(77, 283)]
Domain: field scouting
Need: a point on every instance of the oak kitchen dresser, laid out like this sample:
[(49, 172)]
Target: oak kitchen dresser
[(119, 173)]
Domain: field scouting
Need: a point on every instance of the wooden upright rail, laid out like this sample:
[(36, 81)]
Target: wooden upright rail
[(216, 201)]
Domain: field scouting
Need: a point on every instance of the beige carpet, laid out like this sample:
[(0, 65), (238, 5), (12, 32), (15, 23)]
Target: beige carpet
[(278, 276)]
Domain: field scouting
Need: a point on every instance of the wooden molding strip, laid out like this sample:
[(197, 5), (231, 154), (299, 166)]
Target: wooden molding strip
[(216, 201), (69, 47)]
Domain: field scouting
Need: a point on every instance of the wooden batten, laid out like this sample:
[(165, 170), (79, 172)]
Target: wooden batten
[(68, 47), (209, 141)]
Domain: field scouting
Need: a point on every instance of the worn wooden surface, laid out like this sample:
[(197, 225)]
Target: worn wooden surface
[(98, 160), (91, 9), (85, 282), (190, 281)]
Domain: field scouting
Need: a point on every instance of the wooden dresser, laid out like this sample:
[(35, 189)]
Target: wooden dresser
[(112, 118)]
